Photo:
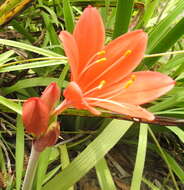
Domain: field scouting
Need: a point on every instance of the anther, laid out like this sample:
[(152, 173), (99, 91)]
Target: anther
[(102, 83), (130, 82), (101, 52), (127, 52), (101, 60), (133, 77)]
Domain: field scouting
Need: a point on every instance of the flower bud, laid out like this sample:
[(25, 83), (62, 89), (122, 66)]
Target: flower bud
[(51, 95), (49, 138), (35, 115)]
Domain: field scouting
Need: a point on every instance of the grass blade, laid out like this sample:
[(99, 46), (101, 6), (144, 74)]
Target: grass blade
[(123, 15), (31, 48), (68, 16), (104, 175), (19, 154), (140, 158), (36, 64), (167, 42), (11, 105)]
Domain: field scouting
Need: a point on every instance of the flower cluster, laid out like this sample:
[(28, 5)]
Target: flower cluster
[(101, 76)]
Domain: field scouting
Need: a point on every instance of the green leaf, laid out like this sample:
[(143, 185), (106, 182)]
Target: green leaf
[(166, 42), (42, 168), (65, 161), (31, 48), (90, 156), (17, 26), (68, 16), (150, 7), (27, 83), (161, 29), (19, 152), (36, 64), (179, 132), (140, 158), (123, 16), (4, 57), (175, 166), (11, 105), (149, 184), (104, 175)]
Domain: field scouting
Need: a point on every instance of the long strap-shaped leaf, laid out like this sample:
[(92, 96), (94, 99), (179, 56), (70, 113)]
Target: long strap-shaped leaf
[(90, 156), (40, 51), (140, 158)]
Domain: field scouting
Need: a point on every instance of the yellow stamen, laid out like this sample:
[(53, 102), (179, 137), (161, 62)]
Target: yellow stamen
[(130, 82), (127, 52), (102, 83), (101, 52), (133, 77), (100, 60)]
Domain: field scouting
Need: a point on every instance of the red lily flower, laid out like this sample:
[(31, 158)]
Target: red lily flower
[(101, 76), (36, 111)]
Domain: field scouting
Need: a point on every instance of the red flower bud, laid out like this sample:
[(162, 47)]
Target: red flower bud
[(49, 138), (51, 95), (35, 115)]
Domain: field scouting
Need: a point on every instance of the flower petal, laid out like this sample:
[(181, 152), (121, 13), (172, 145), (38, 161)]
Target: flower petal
[(122, 56), (71, 51), (74, 97), (122, 108), (51, 95), (35, 115), (146, 87), (89, 34)]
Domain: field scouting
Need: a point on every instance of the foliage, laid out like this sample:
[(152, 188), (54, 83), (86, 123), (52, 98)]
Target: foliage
[(32, 57)]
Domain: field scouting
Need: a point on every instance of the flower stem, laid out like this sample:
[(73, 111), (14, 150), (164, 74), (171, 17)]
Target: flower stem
[(31, 169), (165, 53)]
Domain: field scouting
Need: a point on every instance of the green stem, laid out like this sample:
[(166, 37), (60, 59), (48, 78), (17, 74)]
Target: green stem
[(31, 169)]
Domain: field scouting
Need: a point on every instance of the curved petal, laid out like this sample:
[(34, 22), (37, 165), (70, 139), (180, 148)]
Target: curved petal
[(35, 115), (74, 97), (146, 87), (122, 57), (89, 34), (123, 108), (71, 51), (51, 95)]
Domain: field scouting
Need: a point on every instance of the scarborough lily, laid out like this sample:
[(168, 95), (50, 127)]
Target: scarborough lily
[(101, 75), (36, 115)]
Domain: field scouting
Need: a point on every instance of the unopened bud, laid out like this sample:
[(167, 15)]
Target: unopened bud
[(49, 138), (51, 95), (35, 116)]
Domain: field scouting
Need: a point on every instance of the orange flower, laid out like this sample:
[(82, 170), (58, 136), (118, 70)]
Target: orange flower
[(36, 111), (101, 76)]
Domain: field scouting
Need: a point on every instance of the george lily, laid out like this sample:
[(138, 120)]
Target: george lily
[(37, 119), (102, 75)]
